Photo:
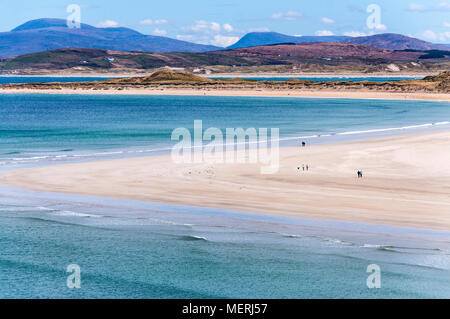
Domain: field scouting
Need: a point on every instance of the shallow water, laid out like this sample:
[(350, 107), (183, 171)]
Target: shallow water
[(140, 250), (41, 128), (326, 79), (47, 79)]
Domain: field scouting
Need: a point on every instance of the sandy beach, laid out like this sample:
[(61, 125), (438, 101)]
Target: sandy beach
[(360, 94), (406, 181)]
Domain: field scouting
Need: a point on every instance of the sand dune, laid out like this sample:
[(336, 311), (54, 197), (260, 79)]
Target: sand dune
[(407, 181)]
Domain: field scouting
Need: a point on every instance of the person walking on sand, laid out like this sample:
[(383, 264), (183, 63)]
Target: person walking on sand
[(303, 143), (303, 167), (307, 167)]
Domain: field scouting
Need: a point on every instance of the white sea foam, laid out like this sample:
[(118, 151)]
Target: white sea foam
[(74, 214), (66, 157), (371, 246)]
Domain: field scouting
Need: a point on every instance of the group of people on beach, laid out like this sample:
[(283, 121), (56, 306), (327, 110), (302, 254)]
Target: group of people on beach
[(359, 172), (304, 167)]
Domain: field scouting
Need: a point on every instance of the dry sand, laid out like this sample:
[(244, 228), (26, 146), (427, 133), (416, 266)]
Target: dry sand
[(360, 94), (406, 182)]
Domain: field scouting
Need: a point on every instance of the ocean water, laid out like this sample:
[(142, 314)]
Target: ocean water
[(132, 249), (47, 79), (36, 129), (328, 78)]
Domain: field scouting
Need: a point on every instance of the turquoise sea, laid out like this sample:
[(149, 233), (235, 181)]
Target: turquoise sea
[(327, 78), (46, 79), (133, 249)]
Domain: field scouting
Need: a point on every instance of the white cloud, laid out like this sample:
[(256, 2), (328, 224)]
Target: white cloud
[(207, 27), (290, 15), (327, 20), (217, 40), (108, 24), (212, 33), (324, 33), (224, 41), (159, 32), (153, 22), (204, 27), (184, 37), (161, 21), (354, 34), (258, 30), (227, 27), (430, 35), (215, 26), (447, 24), (441, 6), (146, 22), (381, 27)]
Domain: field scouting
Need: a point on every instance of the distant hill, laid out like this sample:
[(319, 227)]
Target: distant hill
[(268, 38), (50, 34), (98, 59), (309, 57), (389, 41), (325, 52), (394, 41)]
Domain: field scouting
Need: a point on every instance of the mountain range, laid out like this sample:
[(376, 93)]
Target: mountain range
[(268, 38), (389, 41), (309, 57), (50, 34)]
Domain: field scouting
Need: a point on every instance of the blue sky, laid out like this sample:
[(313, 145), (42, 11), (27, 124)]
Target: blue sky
[(222, 22)]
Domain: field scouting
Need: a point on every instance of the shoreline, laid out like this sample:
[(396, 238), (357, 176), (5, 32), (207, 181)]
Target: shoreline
[(187, 212), (323, 194), (318, 75), (243, 92)]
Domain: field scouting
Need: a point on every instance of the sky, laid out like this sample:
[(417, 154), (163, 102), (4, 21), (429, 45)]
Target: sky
[(223, 22)]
